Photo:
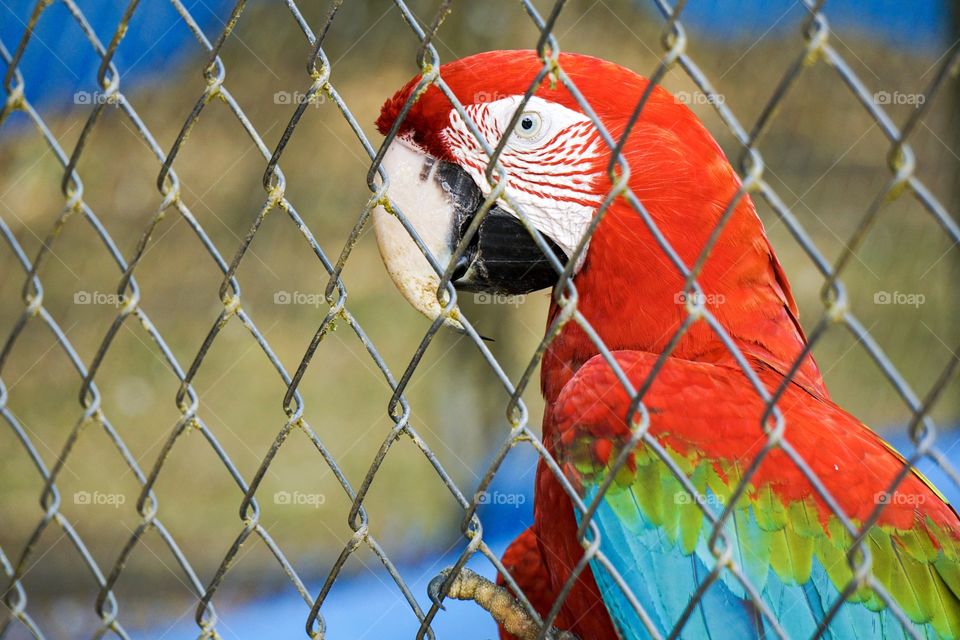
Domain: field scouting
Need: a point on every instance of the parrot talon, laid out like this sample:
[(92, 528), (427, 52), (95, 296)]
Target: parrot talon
[(433, 589), (498, 600)]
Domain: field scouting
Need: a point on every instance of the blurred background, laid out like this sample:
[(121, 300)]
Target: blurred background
[(825, 156)]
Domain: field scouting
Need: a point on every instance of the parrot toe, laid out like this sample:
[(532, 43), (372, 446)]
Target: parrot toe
[(435, 587), (512, 616)]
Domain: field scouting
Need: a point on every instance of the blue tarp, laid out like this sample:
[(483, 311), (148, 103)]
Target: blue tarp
[(60, 61)]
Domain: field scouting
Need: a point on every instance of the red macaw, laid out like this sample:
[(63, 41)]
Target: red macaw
[(703, 410)]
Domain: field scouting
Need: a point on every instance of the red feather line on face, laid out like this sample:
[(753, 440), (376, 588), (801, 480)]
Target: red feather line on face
[(532, 171)]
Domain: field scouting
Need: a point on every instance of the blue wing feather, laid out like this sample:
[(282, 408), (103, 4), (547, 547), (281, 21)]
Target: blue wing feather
[(662, 578)]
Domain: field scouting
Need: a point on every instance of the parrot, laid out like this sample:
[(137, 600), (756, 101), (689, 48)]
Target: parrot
[(779, 564)]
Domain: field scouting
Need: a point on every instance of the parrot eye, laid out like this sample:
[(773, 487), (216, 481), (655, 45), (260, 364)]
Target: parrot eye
[(530, 125)]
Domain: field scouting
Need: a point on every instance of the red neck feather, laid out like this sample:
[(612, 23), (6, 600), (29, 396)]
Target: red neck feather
[(628, 288)]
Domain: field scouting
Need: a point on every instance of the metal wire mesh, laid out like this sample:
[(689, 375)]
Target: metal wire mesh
[(818, 51)]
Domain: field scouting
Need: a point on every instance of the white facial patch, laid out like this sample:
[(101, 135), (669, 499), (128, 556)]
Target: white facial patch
[(431, 214), (550, 161)]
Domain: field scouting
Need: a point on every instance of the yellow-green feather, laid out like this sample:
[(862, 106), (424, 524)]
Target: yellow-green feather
[(923, 577)]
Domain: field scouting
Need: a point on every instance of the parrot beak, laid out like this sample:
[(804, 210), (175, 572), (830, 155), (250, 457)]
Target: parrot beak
[(440, 200)]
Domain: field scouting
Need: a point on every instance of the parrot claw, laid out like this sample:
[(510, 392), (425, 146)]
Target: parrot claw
[(433, 589), (498, 600)]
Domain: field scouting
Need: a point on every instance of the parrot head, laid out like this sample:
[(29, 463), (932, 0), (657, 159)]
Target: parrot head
[(556, 172), (554, 163)]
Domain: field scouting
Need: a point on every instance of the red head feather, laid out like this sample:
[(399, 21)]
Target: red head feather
[(628, 289)]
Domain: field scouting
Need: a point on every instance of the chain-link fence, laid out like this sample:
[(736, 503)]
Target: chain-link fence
[(141, 525)]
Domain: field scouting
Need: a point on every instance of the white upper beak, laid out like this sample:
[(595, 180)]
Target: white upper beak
[(429, 210)]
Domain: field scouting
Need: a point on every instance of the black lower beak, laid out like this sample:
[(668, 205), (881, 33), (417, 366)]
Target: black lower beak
[(502, 256)]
